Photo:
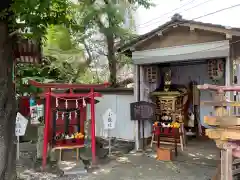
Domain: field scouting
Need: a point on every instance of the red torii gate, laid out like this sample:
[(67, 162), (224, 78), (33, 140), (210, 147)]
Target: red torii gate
[(47, 87)]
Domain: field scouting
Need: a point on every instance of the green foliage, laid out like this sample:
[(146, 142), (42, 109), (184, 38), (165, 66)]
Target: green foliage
[(68, 29), (64, 61), (58, 37), (107, 17), (39, 14), (64, 54), (40, 73), (144, 3)]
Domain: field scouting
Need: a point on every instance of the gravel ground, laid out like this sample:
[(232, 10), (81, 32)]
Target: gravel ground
[(196, 163)]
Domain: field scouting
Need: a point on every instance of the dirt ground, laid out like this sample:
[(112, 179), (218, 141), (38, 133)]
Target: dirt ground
[(197, 162)]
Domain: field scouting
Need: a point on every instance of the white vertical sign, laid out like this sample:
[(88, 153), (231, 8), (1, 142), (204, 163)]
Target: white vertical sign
[(20, 129), (109, 121), (21, 125)]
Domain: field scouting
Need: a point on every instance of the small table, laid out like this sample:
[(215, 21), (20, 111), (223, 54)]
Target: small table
[(180, 131), (60, 148)]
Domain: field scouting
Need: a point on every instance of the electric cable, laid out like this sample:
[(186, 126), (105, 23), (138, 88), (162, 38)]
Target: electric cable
[(205, 15), (185, 10), (190, 2)]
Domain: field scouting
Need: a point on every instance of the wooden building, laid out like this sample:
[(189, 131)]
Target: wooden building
[(194, 53)]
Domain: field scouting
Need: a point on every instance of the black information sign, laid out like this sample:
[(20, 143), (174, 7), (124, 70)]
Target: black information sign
[(236, 168), (142, 110)]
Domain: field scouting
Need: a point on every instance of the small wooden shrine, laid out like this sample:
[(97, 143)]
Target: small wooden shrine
[(65, 114), (169, 114), (26, 51), (225, 130)]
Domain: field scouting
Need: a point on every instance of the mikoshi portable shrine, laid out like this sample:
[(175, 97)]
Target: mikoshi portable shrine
[(65, 114)]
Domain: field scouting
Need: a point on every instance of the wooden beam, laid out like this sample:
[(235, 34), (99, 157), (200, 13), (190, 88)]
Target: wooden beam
[(66, 86), (223, 134), (224, 121), (221, 103), (213, 133), (220, 144), (66, 95), (213, 29), (218, 88)]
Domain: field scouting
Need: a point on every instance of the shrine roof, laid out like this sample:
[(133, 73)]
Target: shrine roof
[(176, 20), (28, 49)]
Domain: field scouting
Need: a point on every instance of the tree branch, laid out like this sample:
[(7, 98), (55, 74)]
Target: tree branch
[(90, 58), (125, 82)]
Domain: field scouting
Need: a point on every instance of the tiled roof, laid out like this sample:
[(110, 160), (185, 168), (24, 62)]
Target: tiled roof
[(176, 20)]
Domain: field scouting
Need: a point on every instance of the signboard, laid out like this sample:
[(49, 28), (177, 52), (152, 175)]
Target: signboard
[(21, 125), (142, 110), (109, 119), (36, 112), (236, 169)]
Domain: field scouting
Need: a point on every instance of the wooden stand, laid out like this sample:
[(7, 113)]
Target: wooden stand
[(164, 153), (182, 139), (77, 147)]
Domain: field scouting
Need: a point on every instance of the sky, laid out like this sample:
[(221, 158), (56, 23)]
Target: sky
[(148, 19)]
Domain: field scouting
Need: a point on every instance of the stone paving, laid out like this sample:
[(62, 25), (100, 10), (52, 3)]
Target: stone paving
[(197, 162)]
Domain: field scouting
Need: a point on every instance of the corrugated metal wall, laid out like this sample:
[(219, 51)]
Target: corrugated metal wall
[(120, 104)]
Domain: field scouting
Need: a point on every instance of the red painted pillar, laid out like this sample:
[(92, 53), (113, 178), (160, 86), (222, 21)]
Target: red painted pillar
[(82, 118), (46, 128), (93, 127)]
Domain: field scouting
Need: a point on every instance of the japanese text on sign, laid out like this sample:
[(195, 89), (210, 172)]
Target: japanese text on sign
[(142, 110), (109, 119), (21, 125)]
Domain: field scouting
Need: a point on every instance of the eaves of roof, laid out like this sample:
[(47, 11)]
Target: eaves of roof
[(173, 22)]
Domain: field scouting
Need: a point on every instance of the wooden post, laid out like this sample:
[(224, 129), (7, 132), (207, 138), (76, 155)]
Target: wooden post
[(46, 129), (226, 164), (93, 127), (82, 118), (217, 174)]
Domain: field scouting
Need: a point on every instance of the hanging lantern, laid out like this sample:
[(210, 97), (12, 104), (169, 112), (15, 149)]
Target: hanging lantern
[(151, 73), (216, 69)]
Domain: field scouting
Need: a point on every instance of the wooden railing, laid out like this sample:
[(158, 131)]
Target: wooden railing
[(226, 123)]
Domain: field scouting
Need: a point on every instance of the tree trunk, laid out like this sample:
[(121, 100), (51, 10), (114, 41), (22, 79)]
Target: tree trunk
[(7, 107), (112, 61)]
